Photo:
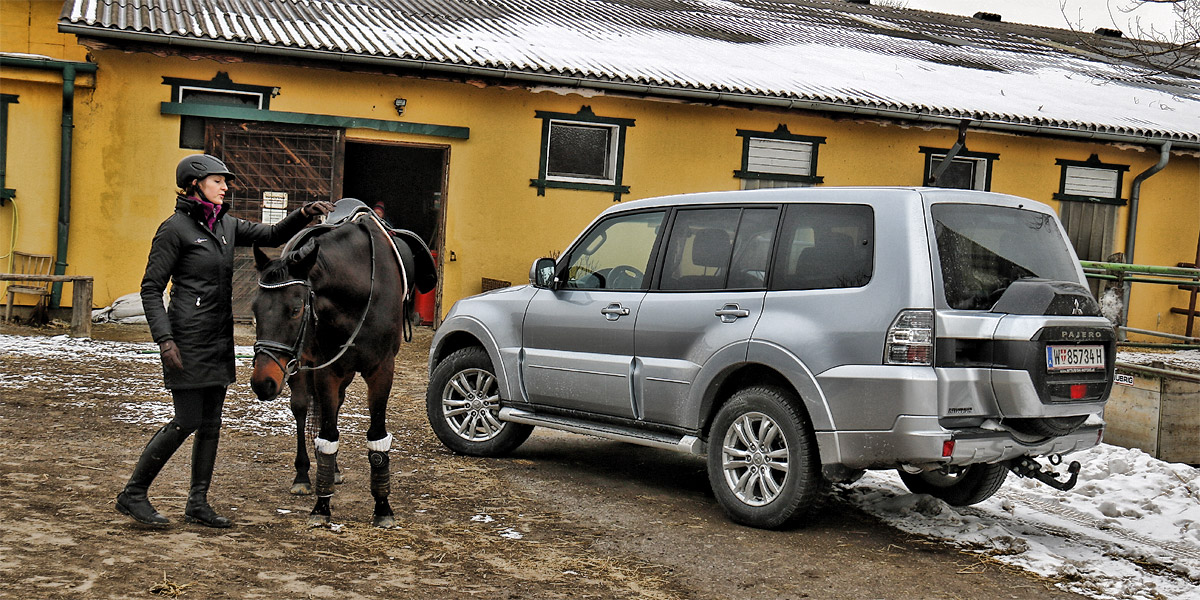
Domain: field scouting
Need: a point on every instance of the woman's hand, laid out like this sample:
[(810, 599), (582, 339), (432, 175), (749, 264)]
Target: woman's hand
[(320, 207), (169, 353)]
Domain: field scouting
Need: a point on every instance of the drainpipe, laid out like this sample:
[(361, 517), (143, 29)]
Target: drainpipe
[(68, 69), (64, 180), (1135, 194)]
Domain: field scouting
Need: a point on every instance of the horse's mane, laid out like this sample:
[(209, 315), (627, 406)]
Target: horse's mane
[(277, 271)]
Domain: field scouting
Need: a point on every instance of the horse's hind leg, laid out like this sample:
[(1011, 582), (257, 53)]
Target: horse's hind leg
[(301, 402), (379, 441)]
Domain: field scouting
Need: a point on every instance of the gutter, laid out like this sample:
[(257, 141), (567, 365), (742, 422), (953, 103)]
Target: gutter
[(623, 87), (1135, 196), (68, 69)]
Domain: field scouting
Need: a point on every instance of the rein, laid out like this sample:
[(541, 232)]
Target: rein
[(274, 349)]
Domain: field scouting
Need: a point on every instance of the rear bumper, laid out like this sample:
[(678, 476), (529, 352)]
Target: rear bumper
[(920, 441)]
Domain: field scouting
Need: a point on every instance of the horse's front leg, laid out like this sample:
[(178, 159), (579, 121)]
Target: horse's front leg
[(301, 401), (379, 441), (327, 389)]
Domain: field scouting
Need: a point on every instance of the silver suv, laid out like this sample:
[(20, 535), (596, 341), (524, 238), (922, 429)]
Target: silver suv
[(797, 337)]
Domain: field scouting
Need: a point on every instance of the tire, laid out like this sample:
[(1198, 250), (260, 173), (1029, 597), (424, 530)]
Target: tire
[(970, 485), (462, 403), (793, 487), (1047, 426)]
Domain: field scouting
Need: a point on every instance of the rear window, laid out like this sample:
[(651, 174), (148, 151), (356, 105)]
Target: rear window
[(983, 249)]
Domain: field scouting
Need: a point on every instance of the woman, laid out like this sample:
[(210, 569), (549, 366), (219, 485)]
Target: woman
[(193, 248)]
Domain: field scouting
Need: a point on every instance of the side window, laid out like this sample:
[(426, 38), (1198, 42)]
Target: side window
[(582, 151), (719, 248), (615, 255), (699, 249), (825, 246), (966, 171), (778, 159)]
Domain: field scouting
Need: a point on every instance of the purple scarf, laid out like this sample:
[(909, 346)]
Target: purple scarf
[(210, 211)]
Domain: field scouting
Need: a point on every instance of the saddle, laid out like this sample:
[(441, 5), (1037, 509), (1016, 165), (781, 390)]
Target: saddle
[(413, 253)]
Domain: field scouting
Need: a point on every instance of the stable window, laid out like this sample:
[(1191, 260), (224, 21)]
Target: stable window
[(1090, 181), (582, 151), (221, 91), (6, 193), (966, 170), (778, 159)]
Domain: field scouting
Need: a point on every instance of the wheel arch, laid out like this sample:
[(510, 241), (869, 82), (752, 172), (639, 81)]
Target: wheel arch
[(738, 377), (466, 333)]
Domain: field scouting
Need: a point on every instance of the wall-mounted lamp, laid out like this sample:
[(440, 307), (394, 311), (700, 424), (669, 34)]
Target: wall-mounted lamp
[(274, 92), (400, 103)]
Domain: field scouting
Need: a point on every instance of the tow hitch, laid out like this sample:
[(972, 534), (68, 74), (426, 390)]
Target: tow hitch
[(1027, 467)]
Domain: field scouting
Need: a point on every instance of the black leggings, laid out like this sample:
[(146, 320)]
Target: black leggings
[(198, 408)]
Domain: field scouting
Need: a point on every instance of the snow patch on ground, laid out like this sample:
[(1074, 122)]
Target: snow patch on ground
[(1129, 530)]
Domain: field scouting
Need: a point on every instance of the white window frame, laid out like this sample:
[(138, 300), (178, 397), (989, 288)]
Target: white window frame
[(610, 159)]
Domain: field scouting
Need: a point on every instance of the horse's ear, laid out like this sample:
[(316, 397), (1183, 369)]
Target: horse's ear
[(260, 259), (301, 261)]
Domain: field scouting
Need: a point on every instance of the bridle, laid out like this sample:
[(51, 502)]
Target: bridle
[(276, 351)]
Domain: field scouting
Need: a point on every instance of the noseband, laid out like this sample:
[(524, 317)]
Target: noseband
[(278, 350)]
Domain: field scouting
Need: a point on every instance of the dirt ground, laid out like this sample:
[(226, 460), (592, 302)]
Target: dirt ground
[(563, 517)]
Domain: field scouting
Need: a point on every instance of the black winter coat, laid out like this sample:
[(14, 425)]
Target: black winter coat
[(199, 261)]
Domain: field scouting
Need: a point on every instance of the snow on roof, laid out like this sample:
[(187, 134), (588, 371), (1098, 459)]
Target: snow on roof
[(806, 54)]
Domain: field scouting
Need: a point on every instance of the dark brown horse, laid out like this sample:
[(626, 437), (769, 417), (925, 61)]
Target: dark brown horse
[(331, 306)]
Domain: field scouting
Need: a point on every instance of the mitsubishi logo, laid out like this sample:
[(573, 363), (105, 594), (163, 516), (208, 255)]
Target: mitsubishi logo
[(1077, 310)]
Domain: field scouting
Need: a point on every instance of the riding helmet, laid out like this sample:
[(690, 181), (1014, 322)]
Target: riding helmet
[(199, 166)]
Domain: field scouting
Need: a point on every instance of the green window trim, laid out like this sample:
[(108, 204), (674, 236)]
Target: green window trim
[(1093, 162), (6, 193), (585, 115), (238, 113), (781, 133)]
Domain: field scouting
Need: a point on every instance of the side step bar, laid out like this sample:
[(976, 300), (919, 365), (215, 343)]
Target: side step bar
[(680, 443)]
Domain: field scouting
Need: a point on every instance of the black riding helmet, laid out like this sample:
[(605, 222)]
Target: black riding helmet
[(199, 166)]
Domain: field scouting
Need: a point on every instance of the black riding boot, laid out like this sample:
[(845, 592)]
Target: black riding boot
[(132, 500), (204, 456)]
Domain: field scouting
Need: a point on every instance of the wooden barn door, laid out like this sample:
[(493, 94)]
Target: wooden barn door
[(1092, 228), (279, 168)]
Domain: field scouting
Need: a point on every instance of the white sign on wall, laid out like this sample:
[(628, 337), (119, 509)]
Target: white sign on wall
[(274, 207)]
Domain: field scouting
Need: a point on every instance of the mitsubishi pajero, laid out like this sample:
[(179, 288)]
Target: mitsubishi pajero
[(796, 337)]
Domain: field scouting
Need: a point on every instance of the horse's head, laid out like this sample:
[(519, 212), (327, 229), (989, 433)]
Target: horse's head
[(283, 317)]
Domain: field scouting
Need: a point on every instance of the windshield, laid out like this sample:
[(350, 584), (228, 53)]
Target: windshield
[(983, 249)]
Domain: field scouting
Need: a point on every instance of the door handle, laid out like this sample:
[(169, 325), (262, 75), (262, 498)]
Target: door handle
[(731, 312), (614, 311)]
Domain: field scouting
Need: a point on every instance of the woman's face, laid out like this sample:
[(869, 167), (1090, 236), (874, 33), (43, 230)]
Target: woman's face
[(213, 188)]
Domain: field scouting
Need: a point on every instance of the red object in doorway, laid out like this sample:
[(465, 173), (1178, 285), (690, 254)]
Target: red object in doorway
[(426, 303)]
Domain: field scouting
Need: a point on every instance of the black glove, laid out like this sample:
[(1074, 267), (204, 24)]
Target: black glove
[(169, 353), (320, 207)]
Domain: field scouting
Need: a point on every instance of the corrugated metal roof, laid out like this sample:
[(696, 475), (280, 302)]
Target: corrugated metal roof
[(808, 51)]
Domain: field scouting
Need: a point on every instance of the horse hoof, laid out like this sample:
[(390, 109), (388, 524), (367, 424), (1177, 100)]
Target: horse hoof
[(301, 489), (385, 522), (318, 520)]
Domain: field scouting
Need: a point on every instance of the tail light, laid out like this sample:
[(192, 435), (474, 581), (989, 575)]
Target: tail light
[(910, 339)]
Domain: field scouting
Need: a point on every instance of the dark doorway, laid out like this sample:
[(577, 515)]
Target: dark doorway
[(409, 181), (406, 179)]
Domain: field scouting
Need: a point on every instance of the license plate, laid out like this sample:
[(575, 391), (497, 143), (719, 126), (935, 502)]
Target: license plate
[(1060, 358)]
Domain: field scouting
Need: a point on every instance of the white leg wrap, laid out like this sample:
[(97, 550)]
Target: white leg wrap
[(381, 445), (326, 446)]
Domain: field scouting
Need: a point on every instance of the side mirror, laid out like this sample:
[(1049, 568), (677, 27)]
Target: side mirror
[(541, 274)]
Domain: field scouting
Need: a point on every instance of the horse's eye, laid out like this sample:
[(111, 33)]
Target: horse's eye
[(296, 311)]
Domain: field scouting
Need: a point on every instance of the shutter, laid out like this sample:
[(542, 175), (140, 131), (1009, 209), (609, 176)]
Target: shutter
[(779, 156), (1091, 182)]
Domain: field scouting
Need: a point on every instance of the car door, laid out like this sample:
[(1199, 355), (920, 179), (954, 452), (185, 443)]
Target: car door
[(577, 339), (705, 306)]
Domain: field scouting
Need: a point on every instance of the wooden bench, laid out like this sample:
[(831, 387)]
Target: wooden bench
[(81, 299)]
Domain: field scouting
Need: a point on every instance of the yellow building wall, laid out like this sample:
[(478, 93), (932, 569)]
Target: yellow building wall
[(495, 222)]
